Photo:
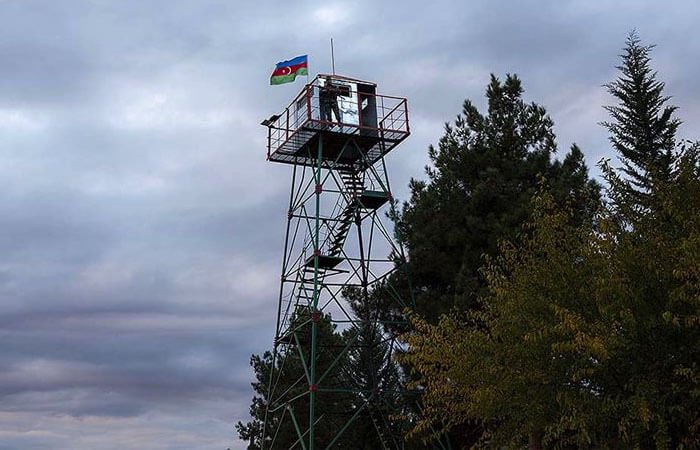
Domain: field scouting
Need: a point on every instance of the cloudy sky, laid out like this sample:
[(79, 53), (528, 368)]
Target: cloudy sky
[(141, 228)]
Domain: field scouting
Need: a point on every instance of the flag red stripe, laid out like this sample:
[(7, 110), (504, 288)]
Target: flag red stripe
[(293, 69)]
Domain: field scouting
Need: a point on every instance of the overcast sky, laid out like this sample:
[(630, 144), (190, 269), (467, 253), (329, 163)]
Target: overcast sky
[(141, 228)]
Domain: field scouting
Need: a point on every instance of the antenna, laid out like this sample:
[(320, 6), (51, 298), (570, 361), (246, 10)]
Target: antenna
[(332, 57)]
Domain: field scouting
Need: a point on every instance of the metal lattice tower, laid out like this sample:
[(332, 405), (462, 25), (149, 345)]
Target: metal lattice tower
[(335, 134)]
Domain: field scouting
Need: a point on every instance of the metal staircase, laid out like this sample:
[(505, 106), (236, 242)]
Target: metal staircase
[(347, 217)]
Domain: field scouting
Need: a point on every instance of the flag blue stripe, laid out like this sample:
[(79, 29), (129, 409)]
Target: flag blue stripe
[(293, 61)]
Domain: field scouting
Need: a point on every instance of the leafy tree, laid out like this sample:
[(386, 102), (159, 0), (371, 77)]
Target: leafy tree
[(527, 371), (653, 376), (587, 337), (484, 173), (643, 127)]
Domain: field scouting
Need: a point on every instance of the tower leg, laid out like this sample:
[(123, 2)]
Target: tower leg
[(314, 310)]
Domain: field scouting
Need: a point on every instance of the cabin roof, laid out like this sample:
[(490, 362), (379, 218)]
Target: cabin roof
[(344, 78)]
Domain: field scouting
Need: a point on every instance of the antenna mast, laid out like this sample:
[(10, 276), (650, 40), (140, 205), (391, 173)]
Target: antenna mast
[(332, 57)]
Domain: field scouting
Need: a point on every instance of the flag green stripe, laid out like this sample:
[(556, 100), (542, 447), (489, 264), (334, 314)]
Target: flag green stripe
[(281, 79)]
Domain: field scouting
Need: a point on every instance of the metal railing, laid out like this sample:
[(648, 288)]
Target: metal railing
[(382, 116)]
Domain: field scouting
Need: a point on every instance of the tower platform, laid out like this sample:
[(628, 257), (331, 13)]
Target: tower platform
[(358, 125)]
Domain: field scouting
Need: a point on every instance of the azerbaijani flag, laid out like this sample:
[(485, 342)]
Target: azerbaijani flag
[(287, 71)]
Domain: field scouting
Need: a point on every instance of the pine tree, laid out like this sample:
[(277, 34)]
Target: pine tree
[(484, 173), (290, 375), (372, 370), (368, 368), (643, 127)]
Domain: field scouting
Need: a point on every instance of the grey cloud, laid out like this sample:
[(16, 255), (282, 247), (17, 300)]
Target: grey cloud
[(142, 227)]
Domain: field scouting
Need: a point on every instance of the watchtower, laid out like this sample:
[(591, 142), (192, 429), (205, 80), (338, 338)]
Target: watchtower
[(340, 262)]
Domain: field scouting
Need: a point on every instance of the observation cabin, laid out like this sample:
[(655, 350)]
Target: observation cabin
[(357, 126)]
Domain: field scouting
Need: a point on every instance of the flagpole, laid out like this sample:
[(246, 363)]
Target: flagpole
[(332, 57)]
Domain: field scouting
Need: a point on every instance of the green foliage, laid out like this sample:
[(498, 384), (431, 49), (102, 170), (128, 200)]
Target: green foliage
[(654, 374), (371, 370), (365, 366), (588, 335), (484, 173), (587, 338), (290, 377), (643, 127), (524, 363)]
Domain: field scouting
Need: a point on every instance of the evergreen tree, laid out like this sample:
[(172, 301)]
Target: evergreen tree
[(371, 369), (484, 173), (643, 127), (653, 375), (290, 376), (368, 368)]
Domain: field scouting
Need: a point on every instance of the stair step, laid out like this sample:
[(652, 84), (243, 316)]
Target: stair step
[(373, 199), (338, 239), (324, 261)]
